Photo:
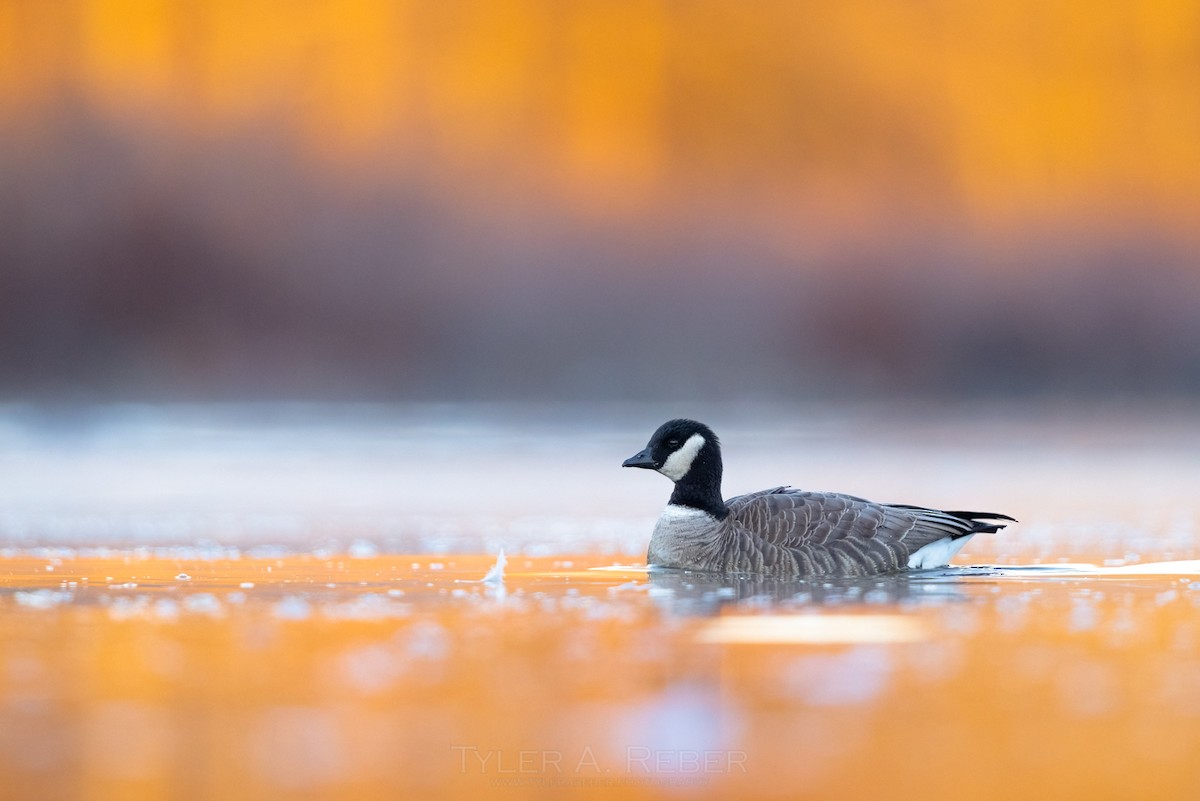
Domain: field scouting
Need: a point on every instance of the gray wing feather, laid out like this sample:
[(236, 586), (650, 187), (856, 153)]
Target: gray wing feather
[(798, 532)]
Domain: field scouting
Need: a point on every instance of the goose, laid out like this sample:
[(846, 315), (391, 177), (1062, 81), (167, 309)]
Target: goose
[(785, 532)]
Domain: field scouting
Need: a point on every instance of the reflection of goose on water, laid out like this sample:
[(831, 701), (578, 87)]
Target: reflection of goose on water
[(694, 593), (785, 532)]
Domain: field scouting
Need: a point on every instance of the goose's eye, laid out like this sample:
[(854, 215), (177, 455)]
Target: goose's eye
[(673, 443)]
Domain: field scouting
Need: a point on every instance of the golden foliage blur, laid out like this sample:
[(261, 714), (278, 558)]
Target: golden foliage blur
[(1004, 110)]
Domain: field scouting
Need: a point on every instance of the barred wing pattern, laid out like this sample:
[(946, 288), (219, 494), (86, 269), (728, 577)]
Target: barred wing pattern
[(788, 533)]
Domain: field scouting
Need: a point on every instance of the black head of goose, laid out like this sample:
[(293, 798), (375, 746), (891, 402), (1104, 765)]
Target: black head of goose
[(785, 532)]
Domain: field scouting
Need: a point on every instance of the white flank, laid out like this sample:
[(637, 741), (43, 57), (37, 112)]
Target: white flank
[(680, 462), (937, 553)]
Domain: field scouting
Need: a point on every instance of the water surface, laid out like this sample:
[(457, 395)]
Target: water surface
[(292, 602)]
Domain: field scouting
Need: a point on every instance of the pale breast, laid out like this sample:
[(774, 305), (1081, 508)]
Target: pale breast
[(680, 535)]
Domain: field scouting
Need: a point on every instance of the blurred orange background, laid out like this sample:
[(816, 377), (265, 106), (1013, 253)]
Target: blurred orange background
[(624, 198)]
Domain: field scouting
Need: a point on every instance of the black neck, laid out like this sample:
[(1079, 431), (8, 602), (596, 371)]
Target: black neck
[(700, 488)]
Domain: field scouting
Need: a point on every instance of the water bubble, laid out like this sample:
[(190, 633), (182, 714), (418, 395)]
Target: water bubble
[(1083, 616), (1165, 597), (41, 599), (428, 640), (293, 608), (204, 603), (166, 609)]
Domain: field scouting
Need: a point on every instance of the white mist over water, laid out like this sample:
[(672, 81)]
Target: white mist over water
[(543, 480)]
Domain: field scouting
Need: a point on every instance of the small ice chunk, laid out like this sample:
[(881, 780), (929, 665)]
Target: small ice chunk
[(495, 574), (183, 577), (246, 585)]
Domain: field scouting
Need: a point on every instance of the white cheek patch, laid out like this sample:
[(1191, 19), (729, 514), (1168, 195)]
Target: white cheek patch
[(680, 462)]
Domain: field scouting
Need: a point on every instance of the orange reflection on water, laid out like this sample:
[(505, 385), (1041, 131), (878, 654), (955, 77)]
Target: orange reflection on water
[(137, 675)]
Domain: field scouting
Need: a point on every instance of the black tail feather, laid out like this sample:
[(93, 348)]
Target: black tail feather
[(981, 516), (980, 521)]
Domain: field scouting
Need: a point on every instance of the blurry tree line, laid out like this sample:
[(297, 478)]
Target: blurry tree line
[(644, 198)]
